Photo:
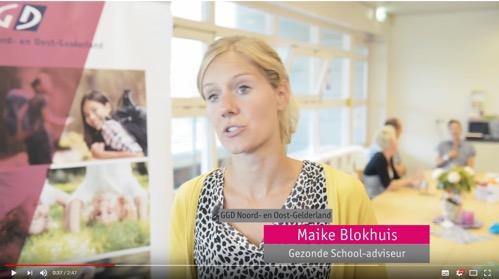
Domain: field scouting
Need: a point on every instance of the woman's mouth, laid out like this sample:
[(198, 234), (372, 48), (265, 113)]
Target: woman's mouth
[(233, 130)]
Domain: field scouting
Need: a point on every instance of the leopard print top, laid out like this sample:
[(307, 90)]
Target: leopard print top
[(221, 251)]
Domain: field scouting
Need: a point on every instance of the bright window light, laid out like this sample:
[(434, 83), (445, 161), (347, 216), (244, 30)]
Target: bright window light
[(380, 14)]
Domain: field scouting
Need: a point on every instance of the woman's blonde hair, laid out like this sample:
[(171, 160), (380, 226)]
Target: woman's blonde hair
[(385, 137), (265, 59)]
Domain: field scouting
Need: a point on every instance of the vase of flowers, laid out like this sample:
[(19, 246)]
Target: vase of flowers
[(453, 182)]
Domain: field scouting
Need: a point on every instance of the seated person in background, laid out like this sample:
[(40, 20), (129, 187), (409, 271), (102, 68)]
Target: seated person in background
[(397, 161), (456, 151), (380, 173)]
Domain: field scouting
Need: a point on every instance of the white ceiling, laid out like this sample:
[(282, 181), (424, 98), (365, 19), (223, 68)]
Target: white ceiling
[(421, 7)]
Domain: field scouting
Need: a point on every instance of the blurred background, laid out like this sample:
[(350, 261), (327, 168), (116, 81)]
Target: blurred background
[(352, 66)]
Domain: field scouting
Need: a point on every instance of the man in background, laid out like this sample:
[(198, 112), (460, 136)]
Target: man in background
[(456, 151)]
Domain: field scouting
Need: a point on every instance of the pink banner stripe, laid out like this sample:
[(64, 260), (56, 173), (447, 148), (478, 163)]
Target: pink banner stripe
[(347, 234), (53, 38), (63, 32)]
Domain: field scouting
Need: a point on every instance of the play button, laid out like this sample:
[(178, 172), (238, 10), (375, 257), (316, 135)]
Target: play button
[(12, 273)]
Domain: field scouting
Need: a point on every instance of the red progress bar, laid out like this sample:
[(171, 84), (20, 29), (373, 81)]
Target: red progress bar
[(56, 265)]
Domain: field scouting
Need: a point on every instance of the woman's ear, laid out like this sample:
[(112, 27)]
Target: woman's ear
[(283, 95)]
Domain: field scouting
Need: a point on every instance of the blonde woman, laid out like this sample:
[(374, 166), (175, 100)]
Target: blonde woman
[(249, 103), (380, 173)]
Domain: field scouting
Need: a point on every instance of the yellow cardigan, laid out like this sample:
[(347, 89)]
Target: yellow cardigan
[(345, 195)]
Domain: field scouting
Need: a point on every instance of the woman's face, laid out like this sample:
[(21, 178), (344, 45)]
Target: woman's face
[(95, 113), (393, 146), (241, 103)]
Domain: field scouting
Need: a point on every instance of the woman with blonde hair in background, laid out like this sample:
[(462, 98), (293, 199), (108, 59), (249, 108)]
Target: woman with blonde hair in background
[(397, 161), (249, 104), (380, 173)]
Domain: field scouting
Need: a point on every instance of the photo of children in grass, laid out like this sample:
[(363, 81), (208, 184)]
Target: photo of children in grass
[(89, 211), (108, 118)]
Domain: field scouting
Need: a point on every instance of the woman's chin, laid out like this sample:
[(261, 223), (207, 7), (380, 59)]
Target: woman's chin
[(237, 149), (242, 147)]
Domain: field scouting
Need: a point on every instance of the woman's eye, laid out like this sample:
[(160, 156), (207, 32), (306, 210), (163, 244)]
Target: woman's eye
[(212, 98), (243, 89)]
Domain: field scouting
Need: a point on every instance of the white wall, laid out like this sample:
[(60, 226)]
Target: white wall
[(434, 62)]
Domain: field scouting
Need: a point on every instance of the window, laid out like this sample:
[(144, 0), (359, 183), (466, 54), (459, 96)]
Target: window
[(222, 153), (294, 30), (334, 39), (359, 112), (184, 67), (187, 142), (188, 9), (332, 127), (236, 16), (304, 74), (361, 51), (359, 125), (337, 79), (300, 141), (283, 53), (360, 80)]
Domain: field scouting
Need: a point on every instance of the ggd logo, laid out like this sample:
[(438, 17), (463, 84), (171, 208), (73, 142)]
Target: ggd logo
[(29, 19)]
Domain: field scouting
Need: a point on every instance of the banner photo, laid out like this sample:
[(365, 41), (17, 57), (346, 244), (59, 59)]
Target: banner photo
[(86, 211), (36, 92), (74, 144), (118, 98)]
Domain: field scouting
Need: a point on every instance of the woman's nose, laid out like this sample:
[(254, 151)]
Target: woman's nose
[(229, 106)]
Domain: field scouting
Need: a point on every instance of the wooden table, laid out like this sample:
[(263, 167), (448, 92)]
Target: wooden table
[(409, 206)]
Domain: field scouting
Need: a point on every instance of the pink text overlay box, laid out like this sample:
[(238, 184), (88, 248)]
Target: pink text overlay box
[(347, 234)]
